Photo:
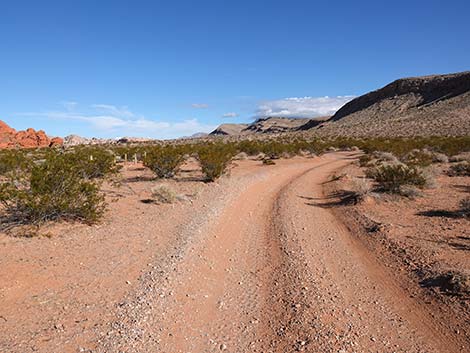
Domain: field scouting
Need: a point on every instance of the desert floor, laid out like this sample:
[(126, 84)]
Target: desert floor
[(259, 261)]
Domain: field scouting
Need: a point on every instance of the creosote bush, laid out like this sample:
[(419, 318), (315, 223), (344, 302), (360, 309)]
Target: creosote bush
[(93, 162), (214, 159), (13, 160), (391, 177), (164, 161), (51, 190)]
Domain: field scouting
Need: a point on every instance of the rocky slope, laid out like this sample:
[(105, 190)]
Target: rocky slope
[(419, 106), (269, 125), (229, 129), (29, 138)]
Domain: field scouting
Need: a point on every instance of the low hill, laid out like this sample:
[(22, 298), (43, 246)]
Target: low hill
[(419, 106), (269, 125), (229, 129), (275, 125)]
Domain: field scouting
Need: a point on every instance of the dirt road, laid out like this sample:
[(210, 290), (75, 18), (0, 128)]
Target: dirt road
[(274, 271)]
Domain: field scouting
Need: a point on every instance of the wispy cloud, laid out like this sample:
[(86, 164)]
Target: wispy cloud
[(200, 105), (104, 120), (302, 107), (230, 115)]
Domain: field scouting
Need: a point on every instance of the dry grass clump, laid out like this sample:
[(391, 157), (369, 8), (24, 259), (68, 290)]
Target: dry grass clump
[(460, 169), (241, 156), (461, 157), (361, 188), (164, 194)]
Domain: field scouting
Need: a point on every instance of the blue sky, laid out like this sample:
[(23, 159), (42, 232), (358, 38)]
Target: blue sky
[(171, 68)]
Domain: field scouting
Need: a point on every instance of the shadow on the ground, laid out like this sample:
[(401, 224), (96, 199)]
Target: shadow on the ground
[(338, 198), (451, 283), (139, 178), (453, 244), (441, 213)]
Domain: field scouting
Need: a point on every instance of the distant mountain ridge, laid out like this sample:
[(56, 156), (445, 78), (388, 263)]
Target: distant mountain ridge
[(269, 125)]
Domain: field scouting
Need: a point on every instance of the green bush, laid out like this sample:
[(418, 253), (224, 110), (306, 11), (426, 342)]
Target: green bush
[(214, 159), (93, 162), (53, 189), (12, 160), (164, 161), (391, 177)]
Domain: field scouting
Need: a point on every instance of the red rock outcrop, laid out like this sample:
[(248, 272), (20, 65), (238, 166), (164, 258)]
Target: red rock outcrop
[(30, 138)]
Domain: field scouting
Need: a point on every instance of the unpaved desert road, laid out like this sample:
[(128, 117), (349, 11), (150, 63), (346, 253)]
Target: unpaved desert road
[(275, 271)]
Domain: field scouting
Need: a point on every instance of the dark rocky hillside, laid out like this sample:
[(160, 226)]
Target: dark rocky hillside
[(419, 106)]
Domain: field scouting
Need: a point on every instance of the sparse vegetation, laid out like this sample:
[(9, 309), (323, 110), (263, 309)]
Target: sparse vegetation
[(460, 169), (391, 177), (13, 160), (164, 194), (93, 162), (214, 159), (361, 188), (164, 161), (53, 189)]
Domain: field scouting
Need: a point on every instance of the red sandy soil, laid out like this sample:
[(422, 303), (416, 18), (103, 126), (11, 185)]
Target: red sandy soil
[(252, 263)]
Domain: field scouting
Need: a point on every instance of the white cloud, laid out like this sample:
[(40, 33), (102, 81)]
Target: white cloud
[(200, 105), (110, 121), (230, 115), (69, 105), (301, 107), (123, 112)]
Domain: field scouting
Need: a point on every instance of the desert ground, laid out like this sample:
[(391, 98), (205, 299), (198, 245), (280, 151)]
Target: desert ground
[(266, 259)]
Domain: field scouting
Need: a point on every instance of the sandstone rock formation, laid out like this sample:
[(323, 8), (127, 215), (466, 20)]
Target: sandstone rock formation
[(29, 138)]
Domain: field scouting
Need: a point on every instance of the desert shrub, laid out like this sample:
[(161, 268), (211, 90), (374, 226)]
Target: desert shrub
[(460, 169), (93, 162), (164, 161), (386, 157), (164, 194), (421, 158), (214, 159), (430, 174), (391, 177), (274, 149), (360, 187), (461, 157), (12, 160), (51, 190), (365, 160), (410, 191), (438, 157)]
